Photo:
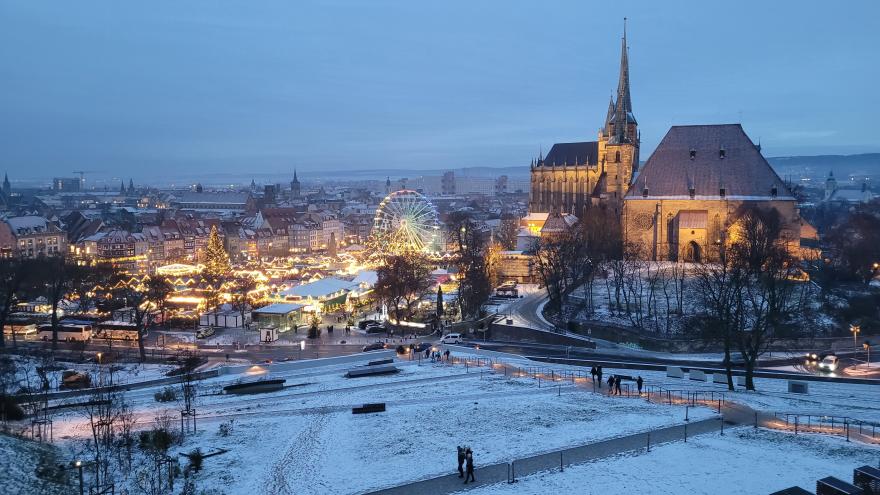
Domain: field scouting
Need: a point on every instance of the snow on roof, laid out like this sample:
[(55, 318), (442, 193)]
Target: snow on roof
[(27, 223), (368, 277), (536, 217), (320, 288), (278, 309)]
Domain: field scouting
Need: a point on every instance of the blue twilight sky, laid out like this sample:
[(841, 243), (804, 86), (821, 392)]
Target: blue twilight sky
[(161, 88)]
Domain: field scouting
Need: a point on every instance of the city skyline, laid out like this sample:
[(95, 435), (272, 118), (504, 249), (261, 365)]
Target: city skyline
[(173, 91)]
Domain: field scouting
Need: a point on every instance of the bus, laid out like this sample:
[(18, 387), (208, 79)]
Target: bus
[(67, 331), (116, 330)]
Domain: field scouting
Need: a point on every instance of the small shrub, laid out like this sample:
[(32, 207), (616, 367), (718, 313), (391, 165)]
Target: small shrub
[(167, 394), (225, 428), (10, 409), (195, 460)]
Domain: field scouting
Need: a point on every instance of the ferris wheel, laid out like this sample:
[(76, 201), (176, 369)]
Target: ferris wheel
[(406, 221)]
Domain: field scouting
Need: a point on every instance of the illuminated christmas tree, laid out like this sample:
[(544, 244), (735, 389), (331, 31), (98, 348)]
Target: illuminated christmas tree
[(216, 258)]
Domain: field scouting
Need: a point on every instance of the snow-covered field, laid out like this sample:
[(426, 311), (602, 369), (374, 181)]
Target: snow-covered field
[(743, 461), (304, 439)]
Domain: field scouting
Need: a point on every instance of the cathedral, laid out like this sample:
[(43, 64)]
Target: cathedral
[(682, 203), (575, 176)]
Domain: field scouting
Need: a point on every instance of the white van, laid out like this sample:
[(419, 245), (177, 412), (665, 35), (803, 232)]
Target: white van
[(451, 338)]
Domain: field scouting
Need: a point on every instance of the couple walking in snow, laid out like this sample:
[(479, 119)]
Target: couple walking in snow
[(466, 464)]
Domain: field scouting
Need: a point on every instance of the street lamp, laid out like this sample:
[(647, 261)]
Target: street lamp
[(79, 466), (855, 329), (867, 347), (99, 358)]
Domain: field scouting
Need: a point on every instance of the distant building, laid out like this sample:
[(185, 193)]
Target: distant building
[(835, 194), (200, 200), (32, 237), (447, 183), (66, 184), (295, 187)]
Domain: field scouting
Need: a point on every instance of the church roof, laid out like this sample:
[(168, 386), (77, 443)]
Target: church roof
[(708, 158), (572, 154)]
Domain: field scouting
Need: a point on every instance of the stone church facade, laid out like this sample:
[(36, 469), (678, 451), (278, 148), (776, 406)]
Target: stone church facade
[(692, 189), (575, 176)]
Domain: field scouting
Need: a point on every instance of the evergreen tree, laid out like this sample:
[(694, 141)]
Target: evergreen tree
[(216, 258)]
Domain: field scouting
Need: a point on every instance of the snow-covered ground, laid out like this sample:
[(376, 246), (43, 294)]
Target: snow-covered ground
[(304, 438), (743, 461), (123, 373)]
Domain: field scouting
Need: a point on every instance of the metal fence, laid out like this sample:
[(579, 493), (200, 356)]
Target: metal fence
[(545, 374), (851, 428)]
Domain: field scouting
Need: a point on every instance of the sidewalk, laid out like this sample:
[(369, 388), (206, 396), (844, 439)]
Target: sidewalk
[(499, 473)]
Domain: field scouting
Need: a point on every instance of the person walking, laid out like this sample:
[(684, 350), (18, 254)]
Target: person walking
[(427, 351), (617, 385), (611, 385), (447, 355), (599, 376), (639, 383), (461, 457), (469, 459)]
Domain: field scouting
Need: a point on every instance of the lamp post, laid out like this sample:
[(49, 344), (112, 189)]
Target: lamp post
[(79, 466), (867, 346), (302, 347), (855, 329)]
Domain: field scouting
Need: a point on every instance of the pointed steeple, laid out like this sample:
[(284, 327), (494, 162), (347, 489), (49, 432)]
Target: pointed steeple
[(623, 114), (610, 114), (623, 96), (122, 186), (130, 185), (294, 176)]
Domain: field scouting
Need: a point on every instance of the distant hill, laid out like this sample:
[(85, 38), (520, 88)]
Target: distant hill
[(861, 165)]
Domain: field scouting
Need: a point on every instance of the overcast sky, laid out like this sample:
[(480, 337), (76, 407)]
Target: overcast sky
[(162, 87)]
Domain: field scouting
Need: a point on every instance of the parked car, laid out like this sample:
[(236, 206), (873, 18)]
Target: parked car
[(375, 346), (205, 332), (829, 363), (451, 338), (376, 329), (363, 324)]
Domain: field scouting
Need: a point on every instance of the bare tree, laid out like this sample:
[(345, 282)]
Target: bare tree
[(53, 277), (13, 273), (471, 248), (401, 281)]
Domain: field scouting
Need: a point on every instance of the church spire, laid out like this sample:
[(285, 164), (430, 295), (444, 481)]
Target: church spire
[(623, 108), (623, 98)]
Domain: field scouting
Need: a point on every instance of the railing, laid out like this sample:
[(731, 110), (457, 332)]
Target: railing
[(652, 393), (833, 425)]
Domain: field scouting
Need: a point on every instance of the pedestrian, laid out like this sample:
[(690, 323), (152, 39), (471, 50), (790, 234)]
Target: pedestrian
[(593, 373), (611, 385), (461, 457), (426, 352), (469, 459), (447, 355), (599, 376), (617, 385), (639, 383)]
